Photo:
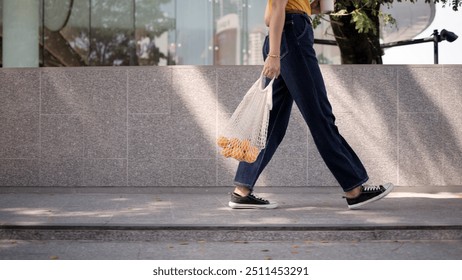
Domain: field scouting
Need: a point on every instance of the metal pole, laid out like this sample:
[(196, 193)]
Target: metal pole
[(90, 33), (407, 42), (132, 46), (436, 39)]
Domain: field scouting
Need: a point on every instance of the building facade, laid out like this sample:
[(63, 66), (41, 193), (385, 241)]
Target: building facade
[(133, 32), (155, 32)]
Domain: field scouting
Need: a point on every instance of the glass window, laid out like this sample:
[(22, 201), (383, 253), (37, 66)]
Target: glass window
[(65, 34), (154, 32), (107, 32), (1, 33), (112, 33), (256, 32), (193, 43), (239, 32)]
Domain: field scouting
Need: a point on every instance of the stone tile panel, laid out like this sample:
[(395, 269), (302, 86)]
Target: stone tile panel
[(19, 172), (150, 137), (105, 172), (62, 172), (420, 149), (19, 137), (105, 135), (19, 90), (149, 90), (419, 88), (62, 136)]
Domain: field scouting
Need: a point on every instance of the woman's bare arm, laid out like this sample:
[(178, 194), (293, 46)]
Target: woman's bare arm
[(267, 14), (272, 66), (276, 26)]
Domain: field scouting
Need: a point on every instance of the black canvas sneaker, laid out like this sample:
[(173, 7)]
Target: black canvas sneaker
[(369, 194), (250, 202)]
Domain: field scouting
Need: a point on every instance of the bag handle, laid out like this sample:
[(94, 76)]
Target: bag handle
[(268, 90), (262, 80)]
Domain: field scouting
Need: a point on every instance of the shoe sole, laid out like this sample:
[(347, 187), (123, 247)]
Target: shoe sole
[(380, 196), (234, 205)]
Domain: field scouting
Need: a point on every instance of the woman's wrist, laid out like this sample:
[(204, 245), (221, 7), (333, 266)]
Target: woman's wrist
[(274, 55)]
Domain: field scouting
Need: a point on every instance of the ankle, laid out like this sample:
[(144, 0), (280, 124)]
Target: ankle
[(353, 193), (242, 191)]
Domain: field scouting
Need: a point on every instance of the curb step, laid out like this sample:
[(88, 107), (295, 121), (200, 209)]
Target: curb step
[(132, 233)]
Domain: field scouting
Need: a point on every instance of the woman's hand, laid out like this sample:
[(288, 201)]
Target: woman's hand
[(272, 67)]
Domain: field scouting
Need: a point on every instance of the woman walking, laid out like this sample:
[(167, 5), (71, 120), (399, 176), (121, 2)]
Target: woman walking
[(290, 57)]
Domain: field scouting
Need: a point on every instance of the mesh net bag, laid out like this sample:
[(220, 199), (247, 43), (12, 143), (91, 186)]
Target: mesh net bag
[(244, 136)]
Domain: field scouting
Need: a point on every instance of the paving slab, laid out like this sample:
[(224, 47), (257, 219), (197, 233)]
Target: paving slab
[(278, 250), (43, 223), (182, 206)]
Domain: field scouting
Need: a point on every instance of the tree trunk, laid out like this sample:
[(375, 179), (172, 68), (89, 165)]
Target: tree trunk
[(355, 47)]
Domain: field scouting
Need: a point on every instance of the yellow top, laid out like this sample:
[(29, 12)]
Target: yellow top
[(299, 5)]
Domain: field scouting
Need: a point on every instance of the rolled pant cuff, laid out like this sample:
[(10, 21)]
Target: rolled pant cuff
[(356, 185), (250, 187)]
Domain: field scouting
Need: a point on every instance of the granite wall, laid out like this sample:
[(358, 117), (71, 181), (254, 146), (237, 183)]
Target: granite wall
[(156, 126)]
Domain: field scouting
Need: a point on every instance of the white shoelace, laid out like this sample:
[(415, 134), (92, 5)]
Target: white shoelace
[(371, 188), (258, 198)]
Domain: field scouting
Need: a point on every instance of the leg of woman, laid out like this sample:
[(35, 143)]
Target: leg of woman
[(300, 70), (248, 173)]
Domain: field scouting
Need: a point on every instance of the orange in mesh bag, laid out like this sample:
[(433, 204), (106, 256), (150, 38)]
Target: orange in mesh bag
[(244, 136)]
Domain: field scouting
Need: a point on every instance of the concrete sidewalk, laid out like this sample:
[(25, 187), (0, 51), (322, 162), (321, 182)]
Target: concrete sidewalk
[(147, 218)]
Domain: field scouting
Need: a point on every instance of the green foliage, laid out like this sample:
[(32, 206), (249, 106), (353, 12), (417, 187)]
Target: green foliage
[(316, 20), (454, 3), (362, 10), (362, 22), (387, 18)]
